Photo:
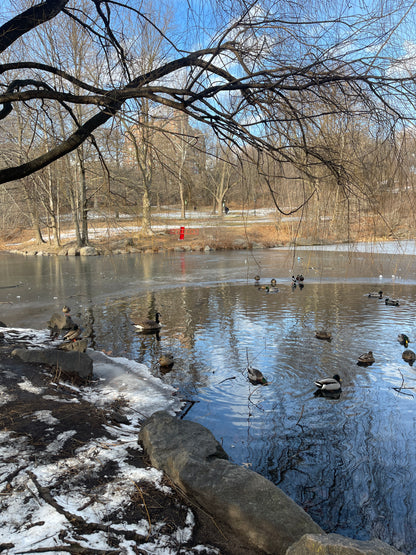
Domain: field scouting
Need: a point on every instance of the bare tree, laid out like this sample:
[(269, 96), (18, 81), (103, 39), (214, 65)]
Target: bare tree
[(267, 70)]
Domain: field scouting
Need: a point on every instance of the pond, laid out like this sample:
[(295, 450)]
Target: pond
[(350, 462)]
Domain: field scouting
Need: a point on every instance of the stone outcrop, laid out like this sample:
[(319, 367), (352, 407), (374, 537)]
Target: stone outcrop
[(240, 499), (71, 363), (252, 506), (60, 321), (80, 345), (335, 544)]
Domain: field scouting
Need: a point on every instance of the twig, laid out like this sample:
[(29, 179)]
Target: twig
[(78, 521), (301, 414), (222, 381), (145, 508)]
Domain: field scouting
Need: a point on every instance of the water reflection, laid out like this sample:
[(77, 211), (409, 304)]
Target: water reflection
[(349, 461)]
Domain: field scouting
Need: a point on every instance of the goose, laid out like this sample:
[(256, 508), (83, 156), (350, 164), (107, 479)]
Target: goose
[(255, 376), (409, 356), (403, 339), (376, 295), (322, 334), (329, 385), (149, 325), (74, 334), (366, 358), (166, 360), (391, 302)]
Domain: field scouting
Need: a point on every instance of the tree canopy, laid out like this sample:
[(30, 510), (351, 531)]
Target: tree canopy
[(265, 75)]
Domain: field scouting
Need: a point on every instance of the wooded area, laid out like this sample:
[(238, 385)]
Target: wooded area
[(108, 107)]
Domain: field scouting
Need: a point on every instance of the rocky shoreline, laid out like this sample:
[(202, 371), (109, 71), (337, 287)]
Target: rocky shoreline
[(237, 511)]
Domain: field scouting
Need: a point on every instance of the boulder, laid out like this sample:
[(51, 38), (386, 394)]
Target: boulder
[(252, 506), (60, 321), (80, 345), (72, 363), (88, 251), (335, 544)]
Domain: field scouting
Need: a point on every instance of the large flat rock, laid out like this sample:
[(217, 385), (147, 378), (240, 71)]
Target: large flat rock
[(252, 506)]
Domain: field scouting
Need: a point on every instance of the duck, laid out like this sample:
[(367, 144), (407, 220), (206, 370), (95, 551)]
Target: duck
[(255, 376), (366, 358), (299, 277), (403, 339), (409, 356), (149, 325), (257, 278), (322, 334), (66, 309), (391, 302), (375, 295), (166, 360), (273, 282), (329, 385), (74, 334)]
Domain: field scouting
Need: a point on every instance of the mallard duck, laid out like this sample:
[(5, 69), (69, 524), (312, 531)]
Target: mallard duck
[(329, 385), (74, 334), (255, 376), (273, 282), (366, 358), (391, 302), (299, 277), (149, 325), (322, 334), (403, 339), (376, 295), (66, 309), (409, 356), (257, 278), (166, 360)]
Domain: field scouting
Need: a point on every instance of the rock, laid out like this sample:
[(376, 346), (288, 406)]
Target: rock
[(2, 324), (73, 251), (88, 251), (80, 346), (71, 363), (207, 248), (60, 321), (335, 544), (252, 506)]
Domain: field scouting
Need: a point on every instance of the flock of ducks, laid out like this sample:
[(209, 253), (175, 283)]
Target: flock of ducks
[(330, 386)]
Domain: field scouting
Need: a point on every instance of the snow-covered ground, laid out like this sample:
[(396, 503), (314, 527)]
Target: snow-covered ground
[(58, 496)]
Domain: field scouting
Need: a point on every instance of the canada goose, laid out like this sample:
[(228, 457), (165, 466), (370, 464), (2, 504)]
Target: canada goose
[(149, 325), (391, 302), (403, 339), (166, 360), (322, 334), (329, 385), (376, 295), (366, 359), (409, 356), (255, 376), (74, 334)]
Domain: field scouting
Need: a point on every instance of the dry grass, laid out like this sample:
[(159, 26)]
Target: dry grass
[(223, 233)]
